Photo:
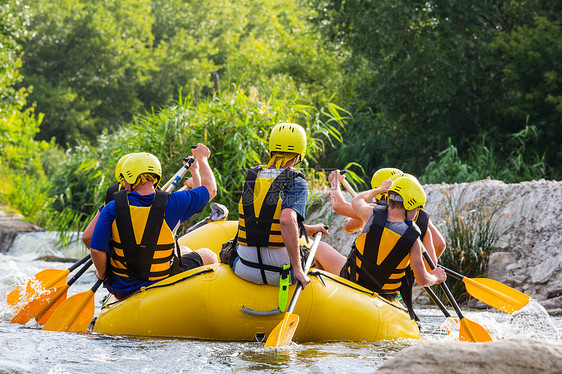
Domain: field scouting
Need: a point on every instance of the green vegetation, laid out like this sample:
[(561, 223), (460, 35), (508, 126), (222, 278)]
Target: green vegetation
[(427, 75), (448, 91), (472, 232), (235, 125)]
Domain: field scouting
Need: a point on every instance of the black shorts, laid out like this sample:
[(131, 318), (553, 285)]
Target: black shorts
[(190, 261)]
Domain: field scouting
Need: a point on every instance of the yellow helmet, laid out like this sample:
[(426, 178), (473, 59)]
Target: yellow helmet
[(140, 163), (411, 191), (119, 166), (382, 175), (288, 137)]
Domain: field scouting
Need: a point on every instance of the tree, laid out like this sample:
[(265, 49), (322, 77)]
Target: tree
[(87, 61), (433, 71)]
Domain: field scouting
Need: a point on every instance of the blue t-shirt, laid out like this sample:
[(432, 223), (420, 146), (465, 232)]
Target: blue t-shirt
[(181, 205), (294, 196)]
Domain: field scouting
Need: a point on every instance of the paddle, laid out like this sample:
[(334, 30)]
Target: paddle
[(43, 280), (45, 304), (172, 183), (75, 314), (283, 333), (492, 292), (469, 331)]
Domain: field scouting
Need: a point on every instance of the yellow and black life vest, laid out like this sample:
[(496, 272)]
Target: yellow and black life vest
[(142, 244), (380, 257), (109, 193), (260, 207), (422, 220)]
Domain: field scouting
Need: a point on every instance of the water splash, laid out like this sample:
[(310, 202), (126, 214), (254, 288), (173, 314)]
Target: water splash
[(44, 243), (532, 321)]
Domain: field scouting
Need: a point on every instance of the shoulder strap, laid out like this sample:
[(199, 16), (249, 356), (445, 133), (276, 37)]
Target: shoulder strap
[(374, 233), (250, 219), (422, 221), (155, 219), (110, 191)]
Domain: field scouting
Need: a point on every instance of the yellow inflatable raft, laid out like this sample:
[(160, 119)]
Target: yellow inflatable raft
[(212, 303)]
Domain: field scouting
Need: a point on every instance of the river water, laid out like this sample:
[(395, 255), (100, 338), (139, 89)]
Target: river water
[(27, 349)]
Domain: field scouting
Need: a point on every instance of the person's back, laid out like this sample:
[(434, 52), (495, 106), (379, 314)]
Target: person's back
[(264, 243), (135, 230), (271, 211), (389, 242)]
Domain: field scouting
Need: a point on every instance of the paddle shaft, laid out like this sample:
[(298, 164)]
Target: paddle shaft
[(452, 273), (79, 262), (444, 287), (172, 183), (80, 272), (437, 302), (307, 266)]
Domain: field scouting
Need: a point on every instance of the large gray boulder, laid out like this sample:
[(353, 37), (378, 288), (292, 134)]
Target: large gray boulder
[(521, 356), (10, 226)]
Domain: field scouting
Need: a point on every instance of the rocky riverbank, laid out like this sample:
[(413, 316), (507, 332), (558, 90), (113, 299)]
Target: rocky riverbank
[(10, 225), (527, 256)]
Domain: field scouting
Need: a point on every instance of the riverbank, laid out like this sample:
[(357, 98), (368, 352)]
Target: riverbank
[(12, 224)]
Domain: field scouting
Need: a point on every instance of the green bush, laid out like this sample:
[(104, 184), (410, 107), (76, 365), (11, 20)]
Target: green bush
[(235, 126), (471, 230), (484, 161)]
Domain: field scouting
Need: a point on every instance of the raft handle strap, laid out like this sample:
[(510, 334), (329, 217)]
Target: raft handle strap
[(261, 313)]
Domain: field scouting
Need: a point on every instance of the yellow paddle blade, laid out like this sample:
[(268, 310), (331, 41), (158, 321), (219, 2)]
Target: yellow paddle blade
[(74, 315), (42, 317), (283, 333), (471, 331), (39, 305), (41, 281), (496, 294)]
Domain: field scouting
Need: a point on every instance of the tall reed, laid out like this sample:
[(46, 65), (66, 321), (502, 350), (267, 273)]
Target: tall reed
[(472, 230)]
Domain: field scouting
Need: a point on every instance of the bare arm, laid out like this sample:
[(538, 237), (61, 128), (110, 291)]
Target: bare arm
[(313, 229), (340, 205), (428, 244), (195, 176), (290, 234), (87, 234), (361, 202), (439, 242), (423, 277), (201, 154), (100, 262)]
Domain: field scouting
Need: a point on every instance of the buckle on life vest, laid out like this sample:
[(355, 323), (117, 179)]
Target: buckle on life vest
[(284, 283)]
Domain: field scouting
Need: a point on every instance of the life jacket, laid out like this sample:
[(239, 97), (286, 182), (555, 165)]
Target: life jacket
[(110, 191), (263, 196), (379, 256), (422, 221), (142, 244), (260, 207)]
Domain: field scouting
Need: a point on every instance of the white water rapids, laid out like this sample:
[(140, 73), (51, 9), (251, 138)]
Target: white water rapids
[(27, 349)]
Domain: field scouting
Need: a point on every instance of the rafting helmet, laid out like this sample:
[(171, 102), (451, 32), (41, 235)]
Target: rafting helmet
[(288, 137), (382, 175), (119, 166), (141, 163), (410, 190)]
